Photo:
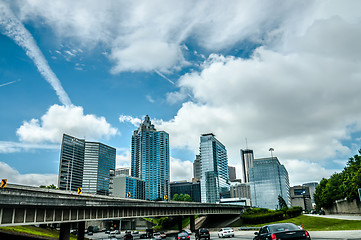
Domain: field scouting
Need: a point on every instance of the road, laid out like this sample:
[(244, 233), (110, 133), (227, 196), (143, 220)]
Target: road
[(243, 235)]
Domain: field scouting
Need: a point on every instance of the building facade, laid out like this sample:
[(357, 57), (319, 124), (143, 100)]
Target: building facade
[(122, 170), (193, 189), (268, 180), (247, 159), (125, 186), (214, 169), (99, 160), (240, 190), (197, 172), (232, 173), (150, 160), (300, 196), (71, 163), (85, 165)]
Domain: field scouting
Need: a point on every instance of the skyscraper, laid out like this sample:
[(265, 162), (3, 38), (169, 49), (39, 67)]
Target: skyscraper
[(71, 163), (197, 167), (150, 159), (247, 162), (99, 159), (232, 173), (214, 165), (85, 165), (268, 180)]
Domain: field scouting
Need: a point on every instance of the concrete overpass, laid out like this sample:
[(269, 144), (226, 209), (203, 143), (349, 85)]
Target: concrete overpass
[(24, 205)]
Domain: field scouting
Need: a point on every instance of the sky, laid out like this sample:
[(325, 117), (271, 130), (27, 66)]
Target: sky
[(259, 74)]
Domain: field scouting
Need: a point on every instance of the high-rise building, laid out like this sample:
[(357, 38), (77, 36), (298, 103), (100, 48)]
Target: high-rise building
[(125, 186), (85, 165), (247, 162), (268, 179), (99, 160), (150, 159), (214, 165), (232, 173), (197, 173), (71, 163), (240, 190), (122, 170), (184, 187), (312, 188)]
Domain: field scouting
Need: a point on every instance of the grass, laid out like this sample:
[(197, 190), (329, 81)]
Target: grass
[(319, 223), (34, 231)]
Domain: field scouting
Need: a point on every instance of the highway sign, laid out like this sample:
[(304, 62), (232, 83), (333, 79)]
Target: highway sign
[(3, 183), (128, 195), (80, 190), (165, 197)]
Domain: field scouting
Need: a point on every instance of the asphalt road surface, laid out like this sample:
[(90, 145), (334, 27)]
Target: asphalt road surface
[(242, 235)]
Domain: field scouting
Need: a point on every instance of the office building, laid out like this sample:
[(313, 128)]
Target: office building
[(71, 163), (122, 170), (125, 186), (85, 165), (150, 160), (312, 188), (197, 167), (240, 190), (214, 169), (268, 180), (247, 159), (99, 160), (300, 196), (232, 173), (184, 187)]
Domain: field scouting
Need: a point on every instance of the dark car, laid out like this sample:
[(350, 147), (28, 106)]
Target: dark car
[(128, 235), (182, 236), (281, 231), (202, 233), (143, 236)]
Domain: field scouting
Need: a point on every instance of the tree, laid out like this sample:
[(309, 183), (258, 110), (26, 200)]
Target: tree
[(52, 186), (281, 202), (175, 197)]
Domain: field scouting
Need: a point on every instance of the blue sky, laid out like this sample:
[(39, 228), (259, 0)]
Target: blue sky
[(283, 75)]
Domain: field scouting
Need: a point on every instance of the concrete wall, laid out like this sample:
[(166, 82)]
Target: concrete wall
[(345, 207)]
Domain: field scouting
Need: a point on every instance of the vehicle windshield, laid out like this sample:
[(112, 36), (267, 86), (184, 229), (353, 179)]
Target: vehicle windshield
[(283, 227), (203, 230), (227, 228), (182, 234)]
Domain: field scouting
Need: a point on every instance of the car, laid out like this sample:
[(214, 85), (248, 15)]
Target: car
[(157, 236), (128, 235), (143, 236), (188, 231), (202, 233), (163, 235), (107, 232), (225, 232), (182, 236), (117, 231), (90, 233), (112, 235), (281, 231), (135, 232)]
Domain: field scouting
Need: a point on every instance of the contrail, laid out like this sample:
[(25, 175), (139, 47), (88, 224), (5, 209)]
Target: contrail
[(162, 75), (4, 84), (13, 28)]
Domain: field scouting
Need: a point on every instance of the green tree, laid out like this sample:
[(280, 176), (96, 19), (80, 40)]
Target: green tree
[(281, 202), (187, 198), (175, 197), (52, 186)]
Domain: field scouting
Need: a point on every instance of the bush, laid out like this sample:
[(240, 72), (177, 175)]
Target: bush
[(262, 215)]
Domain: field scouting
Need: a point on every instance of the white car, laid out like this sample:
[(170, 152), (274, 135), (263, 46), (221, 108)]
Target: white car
[(225, 232)]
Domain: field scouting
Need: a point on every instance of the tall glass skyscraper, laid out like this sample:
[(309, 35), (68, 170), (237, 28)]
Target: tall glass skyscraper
[(99, 159), (71, 163), (150, 160), (247, 162), (268, 179), (85, 165), (214, 169)]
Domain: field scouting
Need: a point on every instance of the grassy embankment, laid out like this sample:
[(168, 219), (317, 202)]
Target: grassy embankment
[(317, 223), (34, 231)]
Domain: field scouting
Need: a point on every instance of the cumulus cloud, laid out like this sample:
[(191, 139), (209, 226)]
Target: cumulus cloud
[(14, 177), (64, 119), (12, 147), (123, 158), (180, 170), (133, 120)]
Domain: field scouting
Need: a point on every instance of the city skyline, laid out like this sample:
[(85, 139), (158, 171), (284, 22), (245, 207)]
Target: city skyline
[(272, 73)]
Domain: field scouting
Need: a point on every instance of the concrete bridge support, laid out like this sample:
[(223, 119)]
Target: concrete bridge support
[(180, 227), (64, 231), (192, 223), (81, 230)]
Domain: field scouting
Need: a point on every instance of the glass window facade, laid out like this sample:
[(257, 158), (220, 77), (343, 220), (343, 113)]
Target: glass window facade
[(150, 160), (247, 162), (268, 180), (214, 169), (190, 188)]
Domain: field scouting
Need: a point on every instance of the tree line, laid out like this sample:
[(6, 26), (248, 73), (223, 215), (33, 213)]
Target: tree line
[(343, 185)]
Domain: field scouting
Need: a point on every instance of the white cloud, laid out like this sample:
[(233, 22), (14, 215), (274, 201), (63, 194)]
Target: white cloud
[(14, 177), (180, 170), (65, 119), (150, 99), (12, 147), (133, 120), (123, 158)]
